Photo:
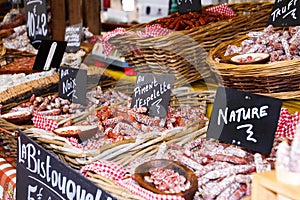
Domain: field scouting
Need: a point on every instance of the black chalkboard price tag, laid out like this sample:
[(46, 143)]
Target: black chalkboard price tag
[(73, 84), (185, 6), (244, 119), (40, 175), (285, 13), (73, 37), (49, 55), (37, 24), (153, 92)]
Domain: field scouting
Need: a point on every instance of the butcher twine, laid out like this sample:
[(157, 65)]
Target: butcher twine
[(41, 122), (117, 173), (155, 30)]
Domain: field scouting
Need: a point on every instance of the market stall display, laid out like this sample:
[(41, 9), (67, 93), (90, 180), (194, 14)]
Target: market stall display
[(122, 149)]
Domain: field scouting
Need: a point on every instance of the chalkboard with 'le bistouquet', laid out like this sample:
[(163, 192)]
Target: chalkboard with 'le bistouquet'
[(244, 119), (153, 92), (73, 84), (285, 13), (37, 24), (40, 175), (185, 6)]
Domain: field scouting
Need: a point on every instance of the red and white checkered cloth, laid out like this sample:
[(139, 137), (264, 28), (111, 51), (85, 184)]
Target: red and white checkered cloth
[(107, 47), (117, 173), (287, 123), (223, 9), (41, 122), (8, 177), (154, 30), (149, 31), (74, 142), (106, 169)]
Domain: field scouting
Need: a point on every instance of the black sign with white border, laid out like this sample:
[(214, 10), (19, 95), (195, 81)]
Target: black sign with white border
[(185, 6), (40, 175), (37, 24), (244, 119), (49, 55), (73, 84), (285, 13), (153, 92)]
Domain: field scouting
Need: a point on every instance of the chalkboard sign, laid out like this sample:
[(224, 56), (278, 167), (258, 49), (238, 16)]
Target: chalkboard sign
[(73, 84), (73, 37), (185, 6), (153, 92), (37, 24), (244, 119), (40, 175), (285, 13), (49, 55)]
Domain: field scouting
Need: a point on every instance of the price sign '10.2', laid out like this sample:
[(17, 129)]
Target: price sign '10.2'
[(37, 27)]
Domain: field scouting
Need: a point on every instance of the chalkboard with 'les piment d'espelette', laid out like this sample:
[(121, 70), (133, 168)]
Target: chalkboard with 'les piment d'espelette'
[(153, 92), (185, 6), (285, 13), (244, 119), (37, 23)]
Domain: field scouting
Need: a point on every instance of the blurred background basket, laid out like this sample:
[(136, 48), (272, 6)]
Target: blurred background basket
[(279, 79), (183, 53)]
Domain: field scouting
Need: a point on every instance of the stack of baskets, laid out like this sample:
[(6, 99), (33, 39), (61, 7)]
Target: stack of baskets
[(279, 79), (183, 53)]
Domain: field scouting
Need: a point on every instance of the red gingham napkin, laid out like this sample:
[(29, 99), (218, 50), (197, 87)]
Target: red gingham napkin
[(40, 121), (222, 9), (154, 30), (107, 47), (116, 172), (287, 124), (107, 169), (149, 31), (74, 142)]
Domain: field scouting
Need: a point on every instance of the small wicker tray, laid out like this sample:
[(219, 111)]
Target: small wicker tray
[(277, 79), (183, 53)]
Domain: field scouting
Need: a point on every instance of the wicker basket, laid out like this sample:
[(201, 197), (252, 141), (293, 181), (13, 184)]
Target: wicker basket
[(183, 53), (122, 152), (277, 79)]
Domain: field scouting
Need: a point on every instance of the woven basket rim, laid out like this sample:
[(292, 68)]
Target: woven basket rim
[(196, 30), (291, 67)]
